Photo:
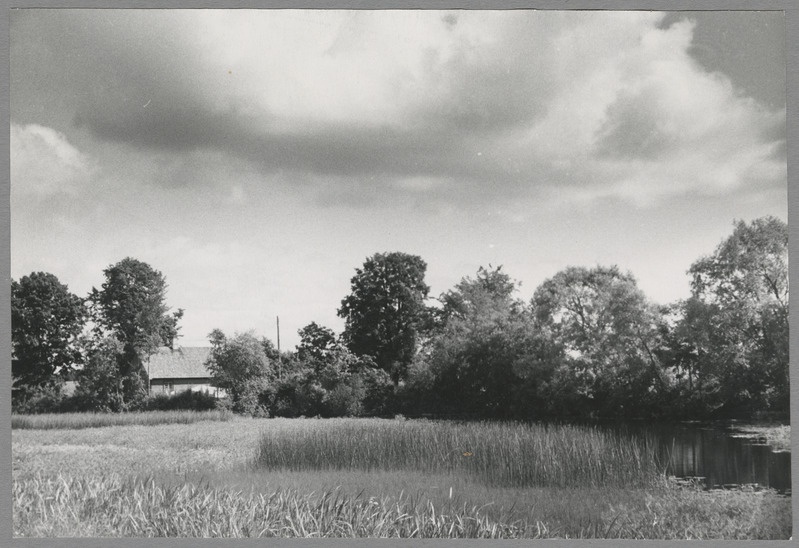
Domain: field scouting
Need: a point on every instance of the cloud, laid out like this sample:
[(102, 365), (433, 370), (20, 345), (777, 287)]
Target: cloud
[(499, 105), (44, 163)]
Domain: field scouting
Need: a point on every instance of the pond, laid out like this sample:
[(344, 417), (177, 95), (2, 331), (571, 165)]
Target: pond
[(718, 455)]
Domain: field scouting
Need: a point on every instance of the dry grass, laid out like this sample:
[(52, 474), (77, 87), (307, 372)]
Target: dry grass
[(60, 421), (198, 480)]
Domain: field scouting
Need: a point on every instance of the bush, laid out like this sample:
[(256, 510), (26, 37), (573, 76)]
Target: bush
[(44, 400), (187, 399)]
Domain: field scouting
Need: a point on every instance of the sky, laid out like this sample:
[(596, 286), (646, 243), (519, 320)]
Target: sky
[(257, 157)]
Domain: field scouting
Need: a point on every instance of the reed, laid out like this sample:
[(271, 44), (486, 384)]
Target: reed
[(72, 421), (113, 506), (501, 454)]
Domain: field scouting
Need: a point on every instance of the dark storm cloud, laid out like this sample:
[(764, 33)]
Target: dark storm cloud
[(132, 77), (492, 108)]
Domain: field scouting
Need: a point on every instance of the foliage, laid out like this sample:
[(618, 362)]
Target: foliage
[(46, 320), (604, 335), (131, 307), (186, 400), (385, 310), (99, 383), (588, 344), (316, 343), (480, 354), (49, 399), (331, 383), (731, 340), (240, 366)]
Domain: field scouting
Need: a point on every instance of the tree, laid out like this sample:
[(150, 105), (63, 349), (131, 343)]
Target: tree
[(736, 321), (329, 380), (478, 345), (131, 306), (385, 310), (46, 320), (605, 335), (99, 386), (240, 366), (316, 343)]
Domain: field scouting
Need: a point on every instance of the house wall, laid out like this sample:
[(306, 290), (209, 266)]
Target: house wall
[(174, 386)]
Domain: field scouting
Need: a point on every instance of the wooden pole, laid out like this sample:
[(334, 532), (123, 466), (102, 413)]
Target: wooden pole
[(279, 357)]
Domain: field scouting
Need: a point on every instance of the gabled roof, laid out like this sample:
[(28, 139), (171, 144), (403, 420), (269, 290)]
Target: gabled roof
[(180, 363)]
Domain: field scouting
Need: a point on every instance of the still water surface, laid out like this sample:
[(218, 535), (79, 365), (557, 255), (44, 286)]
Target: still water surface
[(717, 455)]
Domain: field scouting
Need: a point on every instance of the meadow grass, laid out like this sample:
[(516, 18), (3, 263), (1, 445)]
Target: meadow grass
[(205, 480), (57, 421), (113, 506), (501, 454)]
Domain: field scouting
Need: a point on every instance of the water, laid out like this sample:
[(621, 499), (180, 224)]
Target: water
[(716, 455)]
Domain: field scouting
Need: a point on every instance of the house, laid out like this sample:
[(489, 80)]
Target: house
[(173, 371)]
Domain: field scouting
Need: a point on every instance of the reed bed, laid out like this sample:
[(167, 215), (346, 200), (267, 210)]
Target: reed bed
[(73, 421), (501, 454)]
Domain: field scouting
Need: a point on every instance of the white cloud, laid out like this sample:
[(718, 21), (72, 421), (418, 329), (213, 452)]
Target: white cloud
[(647, 122), (44, 163)]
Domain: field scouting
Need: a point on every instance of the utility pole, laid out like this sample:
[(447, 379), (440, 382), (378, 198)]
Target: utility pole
[(278, 334), (279, 357)]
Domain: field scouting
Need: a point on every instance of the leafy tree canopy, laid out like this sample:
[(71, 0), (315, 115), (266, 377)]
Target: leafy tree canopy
[(748, 269), (475, 352), (385, 309), (132, 304), (734, 331), (608, 335), (46, 320), (240, 366), (316, 342)]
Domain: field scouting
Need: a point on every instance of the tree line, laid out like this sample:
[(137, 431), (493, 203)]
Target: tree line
[(588, 343)]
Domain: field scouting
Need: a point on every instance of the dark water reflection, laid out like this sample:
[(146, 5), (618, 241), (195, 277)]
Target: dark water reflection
[(717, 455)]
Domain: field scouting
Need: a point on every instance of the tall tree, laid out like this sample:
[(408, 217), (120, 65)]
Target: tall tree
[(737, 319), (385, 310), (46, 320), (607, 334), (480, 355), (131, 305)]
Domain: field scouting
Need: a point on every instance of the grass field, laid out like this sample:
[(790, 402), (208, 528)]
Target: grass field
[(263, 477), (61, 421)]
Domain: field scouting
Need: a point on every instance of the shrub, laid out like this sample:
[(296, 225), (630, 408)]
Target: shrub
[(187, 399)]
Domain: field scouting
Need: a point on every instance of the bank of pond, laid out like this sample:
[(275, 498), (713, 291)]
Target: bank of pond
[(712, 455), (217, 475)]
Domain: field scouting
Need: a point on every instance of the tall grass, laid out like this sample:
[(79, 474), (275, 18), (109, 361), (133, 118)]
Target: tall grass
[(502, 454), (67, 421), (110, 506)]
